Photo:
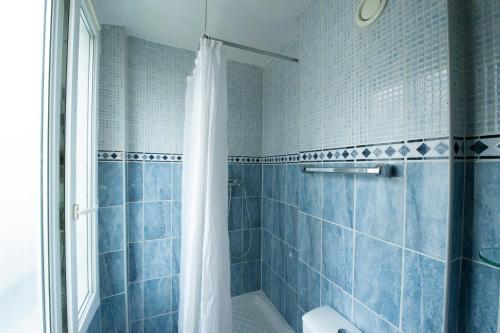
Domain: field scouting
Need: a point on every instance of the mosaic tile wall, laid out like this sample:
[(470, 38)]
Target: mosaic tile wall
[(153, 78), (387, 82)]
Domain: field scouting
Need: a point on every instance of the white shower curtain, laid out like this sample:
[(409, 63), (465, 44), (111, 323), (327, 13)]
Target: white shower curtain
[(205, 297)]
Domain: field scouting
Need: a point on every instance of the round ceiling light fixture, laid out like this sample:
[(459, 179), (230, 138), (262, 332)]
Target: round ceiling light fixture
[(368, 11)]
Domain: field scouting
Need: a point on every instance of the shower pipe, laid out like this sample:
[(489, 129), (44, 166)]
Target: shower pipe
[(237, 183)]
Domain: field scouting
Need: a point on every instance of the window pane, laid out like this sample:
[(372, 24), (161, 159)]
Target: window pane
[(83, 163)]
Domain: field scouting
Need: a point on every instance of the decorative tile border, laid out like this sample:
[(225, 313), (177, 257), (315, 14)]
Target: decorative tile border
[(289, 158), (434, 148), (482, 147), (109, 155)]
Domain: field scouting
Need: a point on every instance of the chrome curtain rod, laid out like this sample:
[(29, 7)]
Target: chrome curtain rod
[(252, 49)]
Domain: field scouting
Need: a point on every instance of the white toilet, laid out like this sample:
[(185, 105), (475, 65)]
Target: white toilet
[(326, 320)]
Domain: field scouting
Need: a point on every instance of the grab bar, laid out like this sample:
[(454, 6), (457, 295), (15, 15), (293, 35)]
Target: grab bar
[(384, 170)]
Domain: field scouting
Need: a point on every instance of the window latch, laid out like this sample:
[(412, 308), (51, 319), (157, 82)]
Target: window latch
[(77, 211)]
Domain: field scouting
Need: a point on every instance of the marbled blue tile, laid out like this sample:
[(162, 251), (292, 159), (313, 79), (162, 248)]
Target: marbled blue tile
[(110, 183), (279, 220), (423, 292), (157, 220), (482, 207), (134, 181), (368, 321), (310, 241), (336, 298), (277, 292), (176, 218), (159, 324), (427, 207), (267, 214), (292, 184), (338, 197), (151, 190), (454, 290), (110, 228), (251, 247), (95, 323), (337, 247), (135, 262), (458, 209), (252, 213), (379, 206), (290, 307), (478, 298), (137, 326), (300, 314), (113, 314), (291, 225), (267, 181), (157, 258), (278, 256), (164, 179), (252, 179), (266, 247), (308, 287), (310, 193), (266, 280), (291, 266), (176, 181), (235, 246), (135, 221), (235, 270), (136, 300), (250, 276), (157, 296), (279, 182), (235, 218), (111, 273), (175, 319), (377, 276), (175, 293), (176, 255)]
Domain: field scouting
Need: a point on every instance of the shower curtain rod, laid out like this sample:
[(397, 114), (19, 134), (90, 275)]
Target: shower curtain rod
[(252, 49)]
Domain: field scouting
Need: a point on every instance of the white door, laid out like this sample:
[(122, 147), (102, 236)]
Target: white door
[(81, 167)]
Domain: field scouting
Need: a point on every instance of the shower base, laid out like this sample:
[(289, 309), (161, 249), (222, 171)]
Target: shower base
[(254, 313)]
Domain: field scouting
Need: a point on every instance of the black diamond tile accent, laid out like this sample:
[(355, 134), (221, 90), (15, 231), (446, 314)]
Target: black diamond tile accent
[(456, 148), (423, 149), (304, 156), (345, 154), (441, 148), (390, 151), (366, 152), (329, 155), (404, 150), (315, 155), (478, 147)]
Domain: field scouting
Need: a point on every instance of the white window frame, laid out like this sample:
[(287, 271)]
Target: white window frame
[(79, 319)]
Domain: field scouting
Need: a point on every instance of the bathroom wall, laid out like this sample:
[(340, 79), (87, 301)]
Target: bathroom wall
[(373, 248), (479, 282), (142, 87)]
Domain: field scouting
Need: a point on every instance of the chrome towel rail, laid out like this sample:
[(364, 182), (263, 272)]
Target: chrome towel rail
[(384, 170)]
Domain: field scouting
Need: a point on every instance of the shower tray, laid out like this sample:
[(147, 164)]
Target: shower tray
[(254, 313)]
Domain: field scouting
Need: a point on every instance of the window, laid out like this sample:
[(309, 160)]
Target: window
[(81, 188)]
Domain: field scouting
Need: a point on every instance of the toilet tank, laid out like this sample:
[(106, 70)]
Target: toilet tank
[(326, 320)]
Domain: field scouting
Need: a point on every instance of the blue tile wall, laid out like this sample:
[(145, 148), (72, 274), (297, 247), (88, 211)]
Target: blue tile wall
[(245, 215), (153, 232), (347, 247)]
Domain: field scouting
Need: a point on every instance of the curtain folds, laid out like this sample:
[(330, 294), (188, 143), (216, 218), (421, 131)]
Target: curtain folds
[(205, 297)]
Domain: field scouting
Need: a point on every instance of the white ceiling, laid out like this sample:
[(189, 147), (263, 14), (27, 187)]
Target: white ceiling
[(264, 24)]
